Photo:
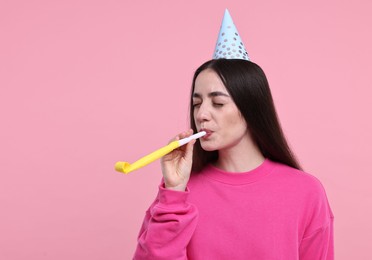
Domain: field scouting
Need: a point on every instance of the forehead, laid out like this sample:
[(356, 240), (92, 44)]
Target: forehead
[(208, 81)]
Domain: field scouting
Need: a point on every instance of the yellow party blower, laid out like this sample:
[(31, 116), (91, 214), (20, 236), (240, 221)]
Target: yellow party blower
[(126, 168)]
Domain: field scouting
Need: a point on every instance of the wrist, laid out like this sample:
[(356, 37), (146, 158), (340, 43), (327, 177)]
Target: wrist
[(180, 187)]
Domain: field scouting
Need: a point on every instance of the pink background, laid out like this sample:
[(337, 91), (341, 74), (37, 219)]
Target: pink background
[(87, 83)]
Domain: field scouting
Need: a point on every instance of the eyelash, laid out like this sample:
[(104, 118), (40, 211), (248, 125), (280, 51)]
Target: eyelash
[(214, 104)]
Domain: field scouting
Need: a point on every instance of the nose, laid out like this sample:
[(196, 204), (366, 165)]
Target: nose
[(202, 113)]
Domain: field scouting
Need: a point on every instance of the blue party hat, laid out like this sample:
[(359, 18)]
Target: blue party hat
[(229, 44)]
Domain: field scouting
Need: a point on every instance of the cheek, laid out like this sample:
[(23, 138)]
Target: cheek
[(234, 118)]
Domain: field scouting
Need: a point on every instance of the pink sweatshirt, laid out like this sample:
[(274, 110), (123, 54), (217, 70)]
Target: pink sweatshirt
[(271, 212)]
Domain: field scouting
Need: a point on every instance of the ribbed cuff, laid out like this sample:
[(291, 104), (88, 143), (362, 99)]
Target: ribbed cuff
[(172, 197)]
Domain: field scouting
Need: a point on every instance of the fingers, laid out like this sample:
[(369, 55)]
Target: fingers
[(176, 166), (185, 134), (189, 150), (182, 135)]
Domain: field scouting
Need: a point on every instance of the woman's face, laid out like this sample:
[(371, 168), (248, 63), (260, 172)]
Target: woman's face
[(216, 113)]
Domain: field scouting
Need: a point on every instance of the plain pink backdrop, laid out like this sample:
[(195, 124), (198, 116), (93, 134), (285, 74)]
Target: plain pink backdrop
[(84, 84)]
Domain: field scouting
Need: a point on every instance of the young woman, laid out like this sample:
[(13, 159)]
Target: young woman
[(238, 192)]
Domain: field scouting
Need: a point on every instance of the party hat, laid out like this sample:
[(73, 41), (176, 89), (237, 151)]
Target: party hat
[(229, 44)]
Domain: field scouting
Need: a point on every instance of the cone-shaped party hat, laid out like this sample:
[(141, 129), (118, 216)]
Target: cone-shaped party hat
[(229, 44)]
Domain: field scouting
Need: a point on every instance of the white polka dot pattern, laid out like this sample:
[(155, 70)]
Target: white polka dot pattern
[(229, 44)]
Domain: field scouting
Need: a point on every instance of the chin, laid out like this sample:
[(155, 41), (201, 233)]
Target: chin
[(208, 148)]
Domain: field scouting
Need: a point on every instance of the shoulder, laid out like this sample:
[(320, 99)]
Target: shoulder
[(300, 185), (302, 179), (306, 186)]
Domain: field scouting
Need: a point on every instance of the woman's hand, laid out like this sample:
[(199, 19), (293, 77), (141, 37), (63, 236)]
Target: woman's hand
[(176, 166)]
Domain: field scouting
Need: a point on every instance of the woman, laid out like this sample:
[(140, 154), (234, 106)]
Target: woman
[(239, 193)]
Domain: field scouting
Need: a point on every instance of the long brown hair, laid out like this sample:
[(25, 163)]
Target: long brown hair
[(248, 86)]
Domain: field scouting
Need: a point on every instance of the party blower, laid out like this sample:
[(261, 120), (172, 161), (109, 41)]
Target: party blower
[(126, 168)]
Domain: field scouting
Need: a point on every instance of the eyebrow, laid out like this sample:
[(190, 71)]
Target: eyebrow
[(211, 94)]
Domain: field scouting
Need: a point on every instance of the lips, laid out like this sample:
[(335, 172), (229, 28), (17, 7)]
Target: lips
[(209, 132)]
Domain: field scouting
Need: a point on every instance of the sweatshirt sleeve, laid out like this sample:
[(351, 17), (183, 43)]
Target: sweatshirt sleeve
[(168, 227), (317, 242), (318, 246)]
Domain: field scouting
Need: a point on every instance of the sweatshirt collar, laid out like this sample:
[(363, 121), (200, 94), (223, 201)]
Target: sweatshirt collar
[(238, 178)]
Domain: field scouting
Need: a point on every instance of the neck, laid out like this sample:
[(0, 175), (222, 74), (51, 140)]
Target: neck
[(242, 157)]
